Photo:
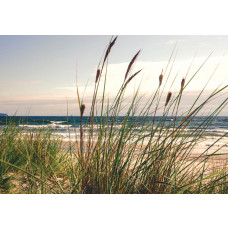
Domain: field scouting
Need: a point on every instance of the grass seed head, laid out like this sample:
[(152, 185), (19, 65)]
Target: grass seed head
[(182, 83), (160, 79), (131, 64), (98, 74), (82, 109), (109, 49), (168, 98), (131, 78)]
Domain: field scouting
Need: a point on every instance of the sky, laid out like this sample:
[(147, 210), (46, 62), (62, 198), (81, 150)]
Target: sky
[(38, 73)]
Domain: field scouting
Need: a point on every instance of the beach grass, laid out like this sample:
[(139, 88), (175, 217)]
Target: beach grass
[(110, 157)]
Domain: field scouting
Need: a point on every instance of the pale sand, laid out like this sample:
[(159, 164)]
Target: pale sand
[(203, 148), (195, 160)]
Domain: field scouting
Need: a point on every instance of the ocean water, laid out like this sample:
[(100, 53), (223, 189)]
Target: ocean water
[(62, 125)]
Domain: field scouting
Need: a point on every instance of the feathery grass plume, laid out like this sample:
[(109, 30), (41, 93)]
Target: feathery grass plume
[(168, 98), (182, 83), (108, 51), (131, 64), (160, 79), (82, 109), (131, 78), (98, 74), (112, 42)]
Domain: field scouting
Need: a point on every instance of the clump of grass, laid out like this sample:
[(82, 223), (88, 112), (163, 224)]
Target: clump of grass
[(35, 155), (126, 157), (121, 162)]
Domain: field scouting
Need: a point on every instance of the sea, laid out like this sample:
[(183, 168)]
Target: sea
[(63, 125)]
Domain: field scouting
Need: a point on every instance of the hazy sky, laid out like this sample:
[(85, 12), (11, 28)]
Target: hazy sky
[(37, 73)]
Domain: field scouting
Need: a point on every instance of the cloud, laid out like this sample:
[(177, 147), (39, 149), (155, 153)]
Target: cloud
[(148, 78), (55, 103), (20, 83), (71, 88), (87, 88), (171, 42)]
